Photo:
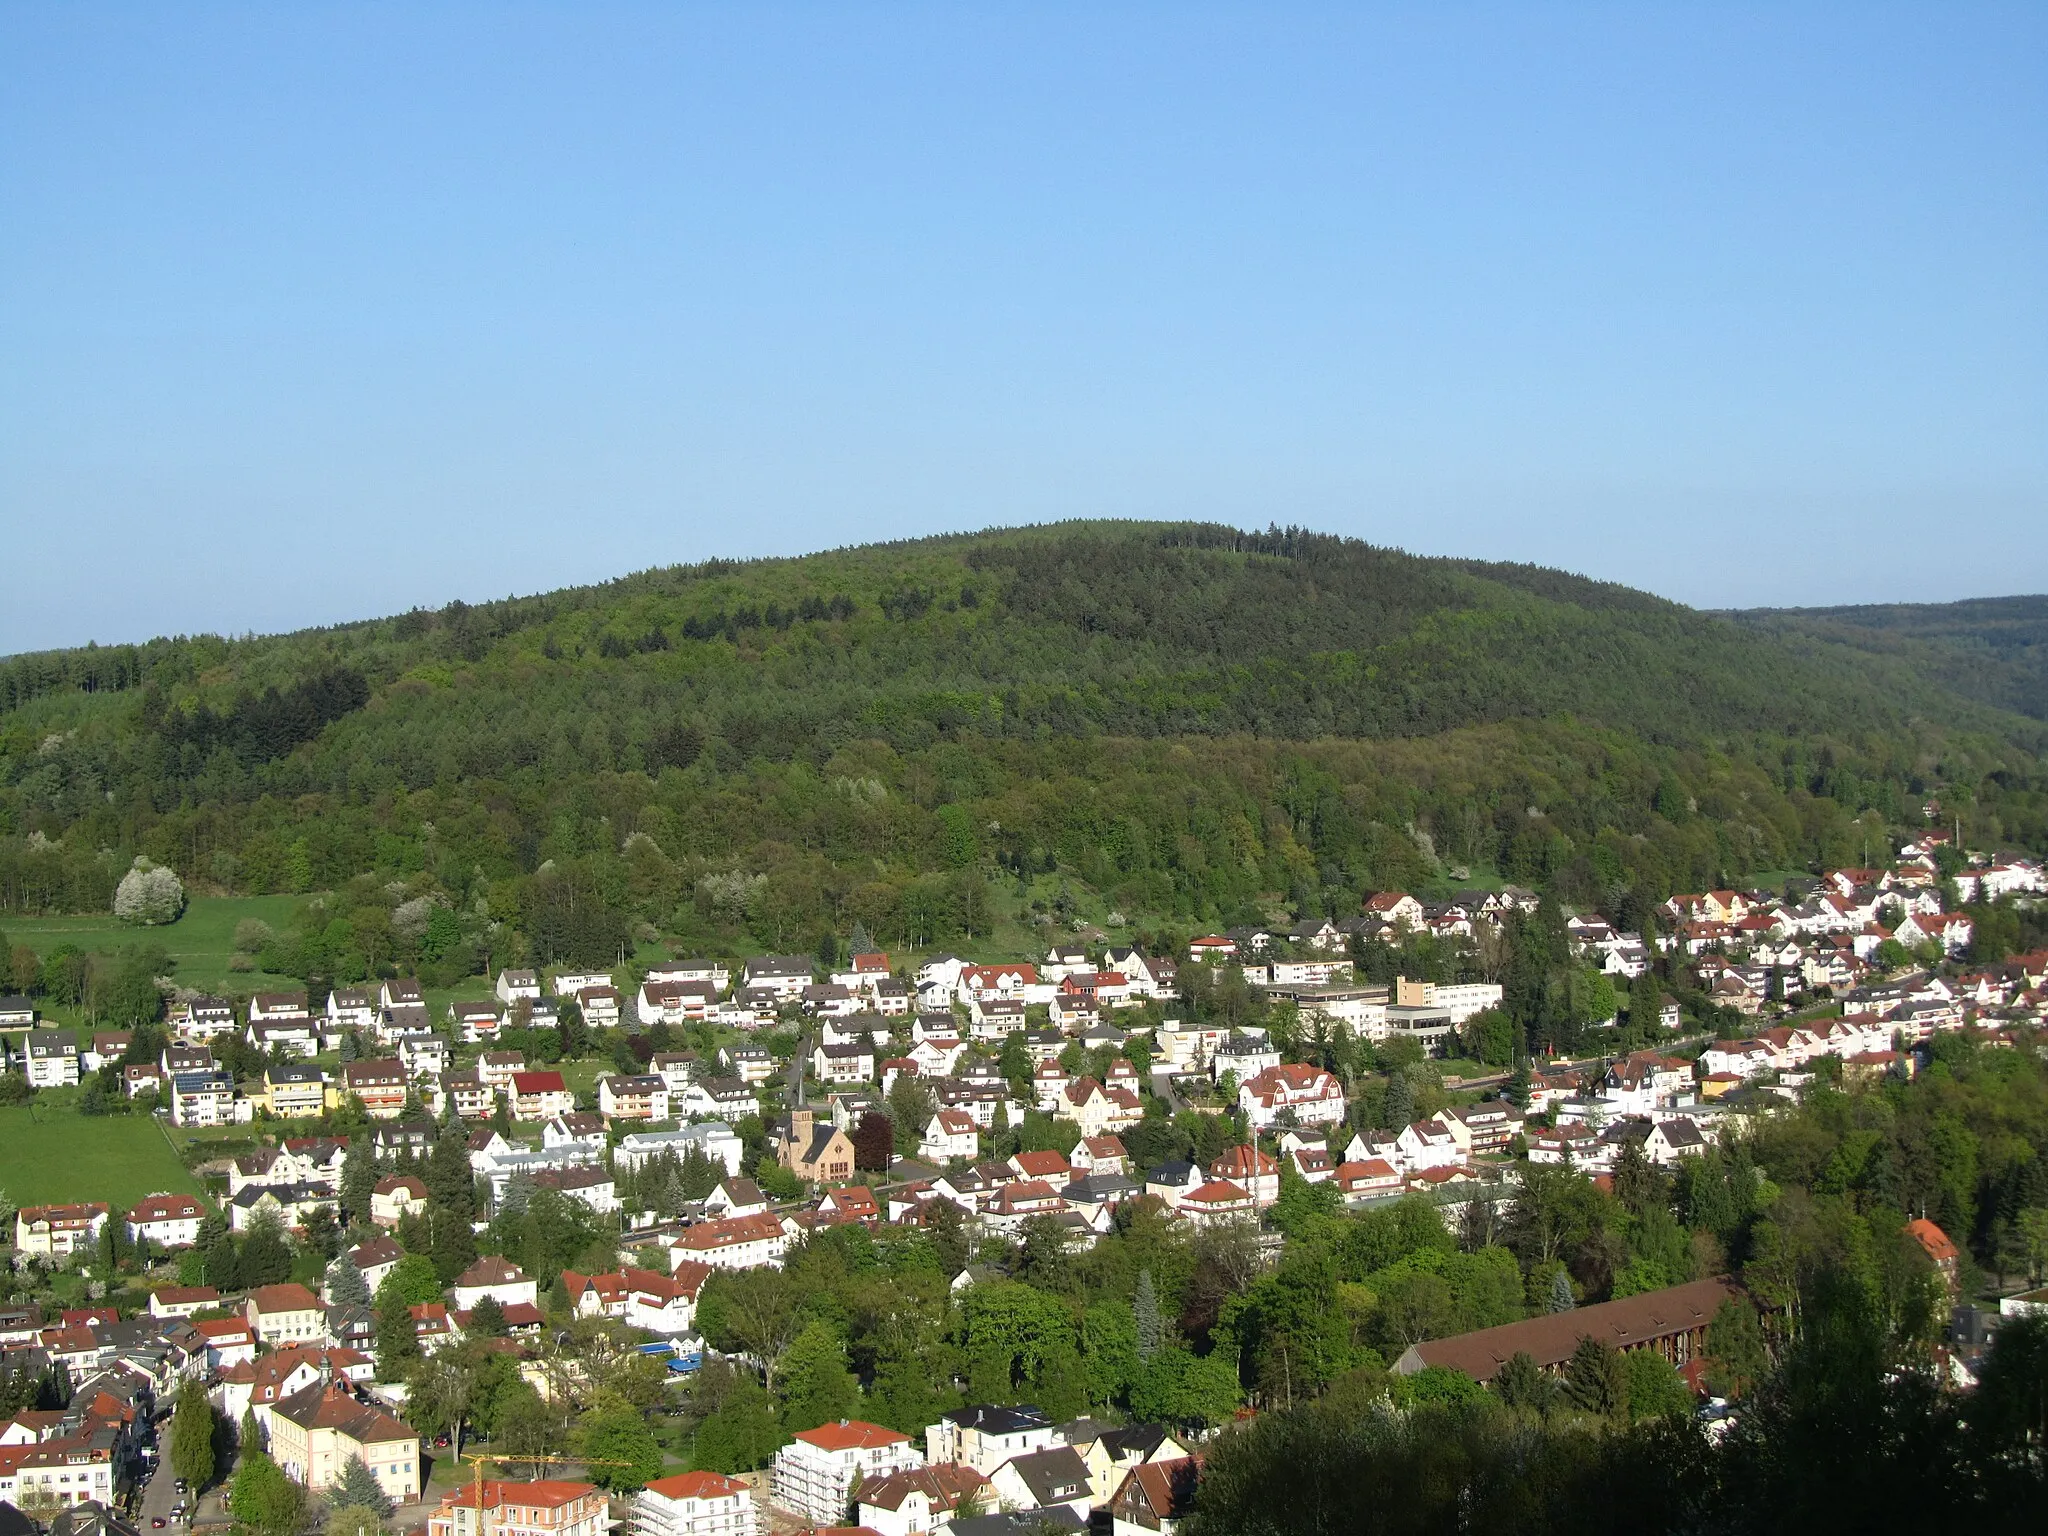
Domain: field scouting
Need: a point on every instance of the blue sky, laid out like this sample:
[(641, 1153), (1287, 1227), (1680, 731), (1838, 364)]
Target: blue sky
[(311, 312)]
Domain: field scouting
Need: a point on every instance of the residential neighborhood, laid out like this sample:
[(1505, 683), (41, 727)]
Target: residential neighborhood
[(745, 1114)]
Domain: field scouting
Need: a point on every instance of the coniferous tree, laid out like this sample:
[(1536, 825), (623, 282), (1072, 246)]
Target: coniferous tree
[(346, 1286), (358, 1488), (1145, 1308), (1561, 1299), (192, 1436), (398, 1342), (358, 1178)]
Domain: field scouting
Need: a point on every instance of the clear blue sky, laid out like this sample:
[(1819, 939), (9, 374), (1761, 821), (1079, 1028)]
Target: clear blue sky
[(314, 312)]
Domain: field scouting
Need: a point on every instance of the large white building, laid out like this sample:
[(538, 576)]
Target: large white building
[(694, 1504), (815, 1473)]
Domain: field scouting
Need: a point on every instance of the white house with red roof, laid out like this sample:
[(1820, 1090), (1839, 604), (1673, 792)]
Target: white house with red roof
[(1251, 1170), (695, 1504), (1310, 1094), (1218, 1201), (814, 1475), (951, 1135), (1098, 1109), (735, 1242), (166, 1220)]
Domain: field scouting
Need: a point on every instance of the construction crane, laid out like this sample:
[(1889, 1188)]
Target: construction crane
[(478, 1458)]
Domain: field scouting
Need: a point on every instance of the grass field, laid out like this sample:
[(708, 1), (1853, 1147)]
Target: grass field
[(200, 941), (50, 1154)]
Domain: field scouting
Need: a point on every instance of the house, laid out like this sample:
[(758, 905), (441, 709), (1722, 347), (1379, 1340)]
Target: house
[(601, 1007), (732, 1242), (141, 1077), (848, 1063), (695, 1504), (182, 1300), (353, 1008), (584, 1129), (314, 1435), (593, 1185), (1216, 1202), (16, 1012), (640, 1097), (751, 1064), (540, 1096), (1155, 1497), (713, 1138), (202, 1099), (476, 1023), (513, 985), (715, 1098), (1098, 1109), (1396, 908), (735, 1197), (1052, 1479), (1251, 1170), (278, 1008), (1309, 1095), (921, 1499), (1171, 1183), (395, 1197), (984, 1437), (66, 1469), (1481, 1130), (203, 1018), (814, 1475), (57, 1231), (381, 1085), (473, 1098), (783, 976), (229, 1342), (295, 1093), (950, 1136), (1672, 1321), (640, 1298), (549, 1508), (166, 1220), (375, 1257), (1673, 1138), (1940, 1249), (285, 1314), (1425, 1144), (296, 1037), (1367, 1179), (52, 1058), (674, 1003), (500, 1279), (814, 1153), (1100, 1154)]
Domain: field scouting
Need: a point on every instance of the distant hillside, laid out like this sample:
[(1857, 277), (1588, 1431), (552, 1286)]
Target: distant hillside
[(1991, 649), (1177, 724)]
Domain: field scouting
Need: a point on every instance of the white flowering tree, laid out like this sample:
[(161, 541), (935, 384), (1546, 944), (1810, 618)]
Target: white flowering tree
[(149, 893)]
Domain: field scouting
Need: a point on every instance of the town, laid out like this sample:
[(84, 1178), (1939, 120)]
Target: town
[(528, 1228)]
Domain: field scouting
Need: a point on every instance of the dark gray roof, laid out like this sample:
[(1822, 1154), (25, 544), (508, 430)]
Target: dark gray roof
[(1134, 1441), (1054, 1475), (999, 1420)]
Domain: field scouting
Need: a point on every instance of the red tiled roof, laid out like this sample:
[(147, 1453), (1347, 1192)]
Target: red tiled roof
[(851, 1435)]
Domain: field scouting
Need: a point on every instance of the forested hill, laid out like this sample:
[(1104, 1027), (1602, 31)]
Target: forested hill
[(1188, 721), (1991, 649)]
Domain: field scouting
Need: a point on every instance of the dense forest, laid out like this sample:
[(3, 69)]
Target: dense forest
[(1992, 649), (1172, 725)]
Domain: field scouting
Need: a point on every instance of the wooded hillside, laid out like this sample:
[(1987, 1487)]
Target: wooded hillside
[(1179, 725)]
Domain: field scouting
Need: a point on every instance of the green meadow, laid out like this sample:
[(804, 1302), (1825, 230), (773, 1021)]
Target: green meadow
[(49, 1154)]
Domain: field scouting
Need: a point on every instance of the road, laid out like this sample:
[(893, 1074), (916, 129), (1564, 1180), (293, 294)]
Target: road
[(160, 1492)]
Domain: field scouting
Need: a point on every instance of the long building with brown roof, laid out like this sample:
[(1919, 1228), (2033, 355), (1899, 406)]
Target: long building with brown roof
[(1672, 1321)]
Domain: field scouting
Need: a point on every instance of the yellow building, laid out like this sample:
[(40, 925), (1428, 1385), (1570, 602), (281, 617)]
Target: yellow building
[(313, 1433), (295, 1093)]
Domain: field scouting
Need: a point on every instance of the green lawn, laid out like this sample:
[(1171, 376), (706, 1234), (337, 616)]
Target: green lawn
[(200, 941), (50, 1154)]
